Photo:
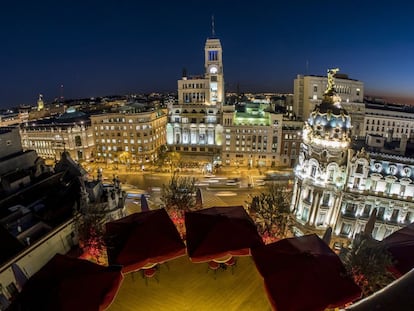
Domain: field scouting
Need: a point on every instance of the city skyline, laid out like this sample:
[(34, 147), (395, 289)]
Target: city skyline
[(98, 49)]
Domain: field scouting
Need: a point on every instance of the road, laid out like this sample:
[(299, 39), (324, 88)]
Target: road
[(151, 183), (249, 183)]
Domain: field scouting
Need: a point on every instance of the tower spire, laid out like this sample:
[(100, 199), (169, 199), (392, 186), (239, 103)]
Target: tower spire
[(213, 32)]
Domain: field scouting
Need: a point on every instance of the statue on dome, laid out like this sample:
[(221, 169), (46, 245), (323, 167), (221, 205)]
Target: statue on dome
[(331, 82)]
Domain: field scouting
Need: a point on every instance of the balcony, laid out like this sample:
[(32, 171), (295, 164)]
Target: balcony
[(307, 201), (349, 215), (364, 216)]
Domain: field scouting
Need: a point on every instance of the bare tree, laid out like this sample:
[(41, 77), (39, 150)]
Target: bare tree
[(179, 193), (271, 210)]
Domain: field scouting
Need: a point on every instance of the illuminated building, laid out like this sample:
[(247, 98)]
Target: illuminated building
[(309, 92), (290, 142), (69, 132), (133, 135), (194, 121), (252, 136), (9, 119), (339, 182), (388, 120)]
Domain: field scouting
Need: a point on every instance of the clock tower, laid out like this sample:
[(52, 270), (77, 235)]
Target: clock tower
[(194, 126), (213, 53)]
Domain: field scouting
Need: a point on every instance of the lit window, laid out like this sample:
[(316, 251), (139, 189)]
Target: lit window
[(313, 171), (346, 228)]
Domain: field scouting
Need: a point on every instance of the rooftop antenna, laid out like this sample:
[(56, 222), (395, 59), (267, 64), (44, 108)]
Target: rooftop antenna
[(213, 32), (307, 67)]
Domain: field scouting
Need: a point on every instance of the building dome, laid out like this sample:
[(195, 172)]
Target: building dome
[(71, 115), (329, 121)]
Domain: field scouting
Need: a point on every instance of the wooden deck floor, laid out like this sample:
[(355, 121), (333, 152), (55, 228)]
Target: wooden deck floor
[(184, 285)]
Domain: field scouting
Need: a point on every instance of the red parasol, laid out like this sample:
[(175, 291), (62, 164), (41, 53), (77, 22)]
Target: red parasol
[(143, 238), (401, 246), (67, 283), (219, 232), (304, 274)]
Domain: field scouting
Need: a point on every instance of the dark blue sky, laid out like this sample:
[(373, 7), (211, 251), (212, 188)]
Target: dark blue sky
[(97, 48)]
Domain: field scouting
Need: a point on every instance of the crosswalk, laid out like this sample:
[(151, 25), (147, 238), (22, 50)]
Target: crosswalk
[(210, 200), (231, 197)]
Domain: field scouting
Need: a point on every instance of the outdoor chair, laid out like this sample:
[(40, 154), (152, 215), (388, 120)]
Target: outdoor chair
[(150, 273), (232, 262), (214, 266)]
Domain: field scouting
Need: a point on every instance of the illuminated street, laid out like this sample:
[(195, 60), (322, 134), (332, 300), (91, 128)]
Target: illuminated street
[(213, 193)]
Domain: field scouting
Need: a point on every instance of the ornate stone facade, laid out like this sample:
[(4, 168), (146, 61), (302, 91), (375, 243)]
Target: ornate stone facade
[(338, 183), (194, 123)]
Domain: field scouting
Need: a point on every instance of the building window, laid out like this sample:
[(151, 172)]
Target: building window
[(402, 190), (313, 171), (321, 219), (351, 209), (356, 182), (212, 55), (331, 175), (381, 213), (346, 229), (408, 217), (360, 168), (78, 141), (325, 199), (367, 210), (373, 185), (394, 215), (308, 197), (305, 214), (388, 187)]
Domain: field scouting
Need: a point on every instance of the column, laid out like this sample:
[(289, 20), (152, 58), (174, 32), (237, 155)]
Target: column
[(315, 207)]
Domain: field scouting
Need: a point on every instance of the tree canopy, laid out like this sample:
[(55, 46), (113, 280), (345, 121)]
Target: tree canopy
[(179, 192), (271, 210), (367, 261)]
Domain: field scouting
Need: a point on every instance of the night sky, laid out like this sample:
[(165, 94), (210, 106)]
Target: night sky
[(97, 48)]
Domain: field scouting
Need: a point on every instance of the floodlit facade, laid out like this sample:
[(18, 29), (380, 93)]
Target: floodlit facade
[(309, 92), (290, 142), (251, 136), (390, 121), (134, 135), (340, 182), (194, 121), (69, 132)]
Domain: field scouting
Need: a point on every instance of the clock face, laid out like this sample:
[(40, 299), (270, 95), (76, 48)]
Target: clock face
[(213, 69)]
